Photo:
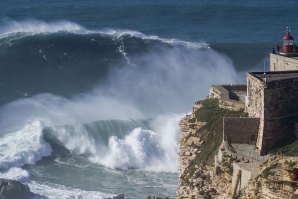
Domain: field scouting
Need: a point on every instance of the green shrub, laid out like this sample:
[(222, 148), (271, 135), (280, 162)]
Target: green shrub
[(291, 149), (212, 133)]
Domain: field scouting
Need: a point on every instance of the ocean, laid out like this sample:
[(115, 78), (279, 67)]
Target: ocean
[(92, 92)]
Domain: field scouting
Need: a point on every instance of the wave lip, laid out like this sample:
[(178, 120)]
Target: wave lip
[(32, 27), (26, 146), (36, 26), (175, 42)]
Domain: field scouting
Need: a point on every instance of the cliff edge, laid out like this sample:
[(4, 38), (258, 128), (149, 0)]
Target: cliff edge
[(209, 167)]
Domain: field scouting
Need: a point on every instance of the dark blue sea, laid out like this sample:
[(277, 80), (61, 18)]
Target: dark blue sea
[(92, 91)]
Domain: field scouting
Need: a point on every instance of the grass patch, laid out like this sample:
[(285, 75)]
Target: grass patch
[(213, 115), (266, 172), (291, 149), (213, 131), (209, 109)]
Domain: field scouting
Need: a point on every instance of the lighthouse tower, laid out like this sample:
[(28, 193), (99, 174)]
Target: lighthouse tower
[(287, 48)]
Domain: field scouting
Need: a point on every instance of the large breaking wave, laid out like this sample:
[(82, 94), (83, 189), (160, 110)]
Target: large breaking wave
[(19, 29), (113, 96)]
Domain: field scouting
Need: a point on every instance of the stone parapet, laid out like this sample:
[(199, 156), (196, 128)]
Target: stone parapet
[(230, 97)]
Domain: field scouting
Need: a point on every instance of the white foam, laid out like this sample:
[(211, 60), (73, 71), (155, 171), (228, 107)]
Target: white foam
[(37, 27), (118, 33), (131, 152), (50, 190), (54, 191), (164, 81), (144, 149), (26, 146), (32, 27), (16, 173), (71, 164), (141, 149)]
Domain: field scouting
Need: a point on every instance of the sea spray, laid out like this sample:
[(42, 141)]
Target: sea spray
[(124, 75), (25, 146), (16, 173), (129, 147), (151, 77), (162, 80)]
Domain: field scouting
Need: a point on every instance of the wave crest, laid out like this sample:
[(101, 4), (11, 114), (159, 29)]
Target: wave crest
[(26, 146), (37, 27), (32, 27)]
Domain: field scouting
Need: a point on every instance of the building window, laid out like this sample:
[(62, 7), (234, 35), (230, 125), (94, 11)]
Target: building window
[(252, 138)]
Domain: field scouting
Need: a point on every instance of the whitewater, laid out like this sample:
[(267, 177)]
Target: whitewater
[(118, 136)]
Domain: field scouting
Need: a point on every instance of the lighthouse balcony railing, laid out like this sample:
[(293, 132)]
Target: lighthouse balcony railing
[(286, 50)]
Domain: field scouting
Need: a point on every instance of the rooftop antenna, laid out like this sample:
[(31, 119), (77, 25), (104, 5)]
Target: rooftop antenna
[(288, 29), (264, 66)]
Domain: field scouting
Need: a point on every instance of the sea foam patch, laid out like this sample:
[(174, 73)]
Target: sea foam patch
[(25, 146)]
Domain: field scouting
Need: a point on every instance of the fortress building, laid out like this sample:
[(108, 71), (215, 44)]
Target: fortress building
[(272, 97), (271, 101), (268, 105)]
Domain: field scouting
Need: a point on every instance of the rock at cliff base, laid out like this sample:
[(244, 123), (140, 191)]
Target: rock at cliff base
[(154, 197), (11, 189), (120, 196)]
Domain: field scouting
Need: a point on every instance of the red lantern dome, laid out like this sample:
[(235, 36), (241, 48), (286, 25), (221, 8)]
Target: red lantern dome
[(287, 48), (288, 36)]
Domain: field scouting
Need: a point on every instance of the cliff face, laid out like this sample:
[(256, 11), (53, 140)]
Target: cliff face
[(201, 138), (278, 179)]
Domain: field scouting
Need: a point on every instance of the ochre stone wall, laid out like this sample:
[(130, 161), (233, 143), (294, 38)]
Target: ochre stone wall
[(280, 109), (275, 103), (241, 130), (281, 63), (255, 97), (274, 133), (281, 98)]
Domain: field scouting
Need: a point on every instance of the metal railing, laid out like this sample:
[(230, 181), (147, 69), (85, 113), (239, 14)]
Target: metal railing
[(244, 154)]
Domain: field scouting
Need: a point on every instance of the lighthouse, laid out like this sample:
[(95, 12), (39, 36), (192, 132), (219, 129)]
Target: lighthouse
[(287, 48)]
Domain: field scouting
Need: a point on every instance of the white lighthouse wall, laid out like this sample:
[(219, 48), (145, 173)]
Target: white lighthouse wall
[(281, 63)]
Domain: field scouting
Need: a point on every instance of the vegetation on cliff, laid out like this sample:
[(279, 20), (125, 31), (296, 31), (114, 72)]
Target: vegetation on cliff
[(279, 178), (200, 138), (211, 132), (290, 150)]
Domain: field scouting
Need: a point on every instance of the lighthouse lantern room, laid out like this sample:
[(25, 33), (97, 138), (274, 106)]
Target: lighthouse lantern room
[(287, 48)]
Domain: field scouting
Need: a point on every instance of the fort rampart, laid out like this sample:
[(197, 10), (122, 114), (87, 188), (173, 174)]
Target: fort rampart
[(229, 96)]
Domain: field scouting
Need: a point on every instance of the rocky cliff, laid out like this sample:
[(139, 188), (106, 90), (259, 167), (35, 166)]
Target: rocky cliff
[(11, 189), (201, 139)]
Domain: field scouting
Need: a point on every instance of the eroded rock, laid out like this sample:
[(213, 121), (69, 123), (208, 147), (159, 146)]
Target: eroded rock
[(12, 189)]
